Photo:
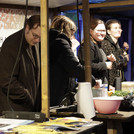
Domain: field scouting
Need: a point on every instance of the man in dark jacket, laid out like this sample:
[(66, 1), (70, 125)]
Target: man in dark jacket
[(63, 63), (19, 79)]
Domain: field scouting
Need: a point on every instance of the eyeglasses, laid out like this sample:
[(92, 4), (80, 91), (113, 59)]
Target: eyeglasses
[(100, 31), (35, 36)]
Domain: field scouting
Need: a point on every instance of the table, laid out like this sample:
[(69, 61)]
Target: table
[(86, 130), (83, 130), (114, 121)]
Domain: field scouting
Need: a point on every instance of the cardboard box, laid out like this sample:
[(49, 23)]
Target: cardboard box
[(128, 86)]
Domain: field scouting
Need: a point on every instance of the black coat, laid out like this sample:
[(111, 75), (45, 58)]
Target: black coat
[(99, 68), (98, 65), (109, 47), (24, 86), (63, 65)]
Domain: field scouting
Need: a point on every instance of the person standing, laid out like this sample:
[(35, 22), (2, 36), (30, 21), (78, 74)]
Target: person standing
[(62, 61), (21, 94), (99, 60), (110, 45)]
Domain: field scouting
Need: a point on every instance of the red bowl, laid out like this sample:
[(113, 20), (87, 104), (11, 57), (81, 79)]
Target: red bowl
[(107, 105)]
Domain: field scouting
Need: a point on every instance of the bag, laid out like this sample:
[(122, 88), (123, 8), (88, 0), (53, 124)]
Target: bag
[(68, 99), (127, 104)]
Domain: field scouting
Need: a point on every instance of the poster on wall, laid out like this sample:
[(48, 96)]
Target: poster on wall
[(11, 21), (4, 33)]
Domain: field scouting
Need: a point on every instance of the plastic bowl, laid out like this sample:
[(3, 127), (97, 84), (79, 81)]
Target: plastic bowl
[(107, 105)]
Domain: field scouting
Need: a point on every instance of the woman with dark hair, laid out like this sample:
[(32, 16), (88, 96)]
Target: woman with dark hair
[(110, 45), (99, 63), (63, 64)]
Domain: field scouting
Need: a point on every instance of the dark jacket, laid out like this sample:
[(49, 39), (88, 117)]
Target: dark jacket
[(24, 86), (98, 65), (63, 65), (109, 47)]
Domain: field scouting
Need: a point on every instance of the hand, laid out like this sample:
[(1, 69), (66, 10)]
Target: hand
[(97, 85), (127, 56), (126, 46), (109, 65), (111, 57), (111, 88)]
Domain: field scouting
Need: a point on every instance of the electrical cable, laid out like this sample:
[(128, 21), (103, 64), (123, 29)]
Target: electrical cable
[(8, 90), (78, 21)]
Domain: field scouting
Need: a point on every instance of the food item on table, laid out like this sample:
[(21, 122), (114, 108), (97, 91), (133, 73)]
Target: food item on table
[(120, 93), (110, 93)]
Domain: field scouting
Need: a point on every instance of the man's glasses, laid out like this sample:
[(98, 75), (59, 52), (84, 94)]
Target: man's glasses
[(35, 36)]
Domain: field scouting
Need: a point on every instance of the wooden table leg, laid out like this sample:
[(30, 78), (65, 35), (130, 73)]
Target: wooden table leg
[(110, 127), (114, 127)]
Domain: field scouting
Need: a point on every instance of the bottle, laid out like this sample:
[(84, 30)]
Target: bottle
[(105, 90), (117, 83)]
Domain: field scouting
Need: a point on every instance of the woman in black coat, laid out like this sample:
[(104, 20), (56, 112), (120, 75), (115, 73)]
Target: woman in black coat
[(63, 64), (99, 63)]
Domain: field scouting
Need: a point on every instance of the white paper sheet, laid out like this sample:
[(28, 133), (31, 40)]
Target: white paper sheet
[(84, 99), (7, 124)]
